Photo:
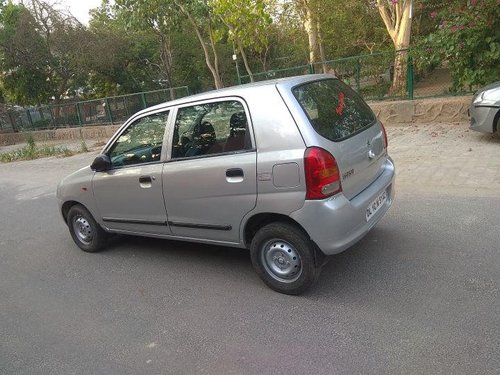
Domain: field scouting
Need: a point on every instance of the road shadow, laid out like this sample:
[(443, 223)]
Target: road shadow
[(493, 139), (352, 275), (176, 251)]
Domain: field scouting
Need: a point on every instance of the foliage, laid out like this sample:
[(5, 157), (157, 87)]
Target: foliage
[(24, 78), (468, 39), (246, 23), (43, 51), (348, 35), (166, 17), (30, 141), (32, 151), (120, 61), (287, 44), (47, 56)]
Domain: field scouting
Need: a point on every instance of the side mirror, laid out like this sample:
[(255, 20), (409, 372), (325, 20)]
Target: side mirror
[(101, 163)]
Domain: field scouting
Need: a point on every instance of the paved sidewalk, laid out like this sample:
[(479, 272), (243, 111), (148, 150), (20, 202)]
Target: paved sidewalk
[(445, 158)]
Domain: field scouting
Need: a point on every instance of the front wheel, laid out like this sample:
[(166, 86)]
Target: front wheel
[(283, 257), (85, 231)]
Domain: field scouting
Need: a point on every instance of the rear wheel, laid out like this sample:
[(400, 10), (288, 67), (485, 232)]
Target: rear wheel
[(85, 231), (283, 257)]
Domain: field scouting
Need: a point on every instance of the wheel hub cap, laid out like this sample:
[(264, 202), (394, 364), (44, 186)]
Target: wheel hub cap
[(281, 260), (83, 230)]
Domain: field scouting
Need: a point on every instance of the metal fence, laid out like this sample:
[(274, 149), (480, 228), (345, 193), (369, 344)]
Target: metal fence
[(372, 75), (109, 110)]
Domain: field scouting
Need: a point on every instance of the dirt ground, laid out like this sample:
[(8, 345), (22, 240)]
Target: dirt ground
[(430, 158), (437, 83)]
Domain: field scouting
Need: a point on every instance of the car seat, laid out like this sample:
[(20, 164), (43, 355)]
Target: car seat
[(237, 133), (203, 139)]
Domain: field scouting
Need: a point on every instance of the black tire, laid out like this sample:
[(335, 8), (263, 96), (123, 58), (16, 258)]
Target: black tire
[(283, 257), (496, 124), (85, 231)]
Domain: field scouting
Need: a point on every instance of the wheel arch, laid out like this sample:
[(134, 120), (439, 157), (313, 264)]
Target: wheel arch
[(260, 220), (496, 121), (66, 206)]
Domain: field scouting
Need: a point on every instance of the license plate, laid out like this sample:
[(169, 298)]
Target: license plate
[(376, 205)]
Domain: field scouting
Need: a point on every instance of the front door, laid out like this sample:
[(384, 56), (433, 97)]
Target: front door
[(209, 183), (129, 196)]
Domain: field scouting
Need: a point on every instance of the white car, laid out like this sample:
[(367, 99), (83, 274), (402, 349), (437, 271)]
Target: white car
[(485, 109)]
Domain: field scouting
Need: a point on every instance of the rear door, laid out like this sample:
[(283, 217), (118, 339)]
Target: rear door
[(348, 128), (209, 183)]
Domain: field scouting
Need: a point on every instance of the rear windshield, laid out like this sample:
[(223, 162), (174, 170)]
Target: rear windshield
[(335, 110)]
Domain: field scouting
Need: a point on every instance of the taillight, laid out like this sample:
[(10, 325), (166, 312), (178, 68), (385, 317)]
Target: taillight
[(322, 174), (386, 143)]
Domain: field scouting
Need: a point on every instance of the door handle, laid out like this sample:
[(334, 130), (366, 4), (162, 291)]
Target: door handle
[(234, 175), (234, 172), (146, 182), (145, 179)]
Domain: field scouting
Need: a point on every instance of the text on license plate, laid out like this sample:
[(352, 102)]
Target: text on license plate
[(375, 205)]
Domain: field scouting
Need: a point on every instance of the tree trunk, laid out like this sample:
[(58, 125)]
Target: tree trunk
[(263, 58), (214, 68), (397, 21), (245, 61), (398, 86), (167, 61), (311, 28), (218, 80), (321, 49)]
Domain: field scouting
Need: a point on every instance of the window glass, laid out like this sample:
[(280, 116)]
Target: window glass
[(211, 128), (141, 142), (335, 110)]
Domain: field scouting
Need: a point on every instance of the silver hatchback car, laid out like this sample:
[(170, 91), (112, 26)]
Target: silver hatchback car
[(293, 169)]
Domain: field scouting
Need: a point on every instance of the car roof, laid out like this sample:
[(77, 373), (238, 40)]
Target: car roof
[(240, 90)]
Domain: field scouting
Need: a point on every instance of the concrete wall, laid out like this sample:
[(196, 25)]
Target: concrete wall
[(87, 132), (423, 111), (420, 111)]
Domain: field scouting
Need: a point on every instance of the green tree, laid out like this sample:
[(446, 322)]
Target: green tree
[(43, 52), (247, 25), (164, 15), (201, 18), (24, 57), (122, 59), (309, 12), (467, 39), (66, 42), (351, 28), (287, 39), (158, 17)]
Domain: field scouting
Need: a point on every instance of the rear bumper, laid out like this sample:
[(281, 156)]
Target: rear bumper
[(337, 223)]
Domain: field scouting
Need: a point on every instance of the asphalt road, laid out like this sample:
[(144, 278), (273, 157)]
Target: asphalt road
[(419, 294)]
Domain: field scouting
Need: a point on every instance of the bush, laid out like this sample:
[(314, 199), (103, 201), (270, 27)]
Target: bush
[(468, 40)]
